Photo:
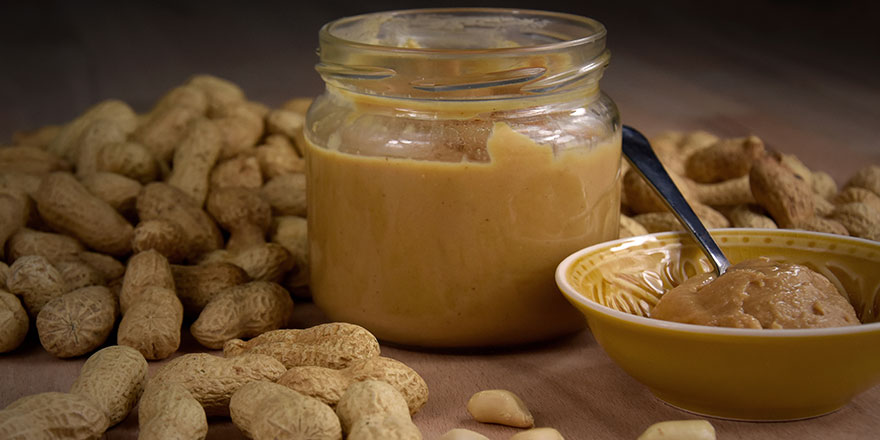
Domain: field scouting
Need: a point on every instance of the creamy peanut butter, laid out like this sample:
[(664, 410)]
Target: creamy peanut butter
[(435, 253), (758, 294)]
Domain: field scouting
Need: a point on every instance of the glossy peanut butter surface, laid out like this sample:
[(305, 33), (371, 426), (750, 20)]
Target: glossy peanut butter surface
[(758, 293), (455, 254)]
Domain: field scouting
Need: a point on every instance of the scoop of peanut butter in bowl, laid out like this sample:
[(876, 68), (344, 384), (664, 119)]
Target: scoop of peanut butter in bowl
[(758, 293)]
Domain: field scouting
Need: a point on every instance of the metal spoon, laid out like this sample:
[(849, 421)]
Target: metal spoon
[(638, 151)]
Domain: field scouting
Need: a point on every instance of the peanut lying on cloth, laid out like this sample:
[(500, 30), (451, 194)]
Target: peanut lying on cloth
[(739, 183), (105, 391), (375, 410)]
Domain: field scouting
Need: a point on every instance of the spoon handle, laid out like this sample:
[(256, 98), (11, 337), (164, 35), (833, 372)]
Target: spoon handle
[(638, 152)]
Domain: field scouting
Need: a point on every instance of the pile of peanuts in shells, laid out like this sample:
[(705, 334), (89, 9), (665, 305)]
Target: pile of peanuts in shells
[(132, 222)]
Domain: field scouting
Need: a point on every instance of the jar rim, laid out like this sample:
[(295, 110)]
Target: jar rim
[(597, 31)]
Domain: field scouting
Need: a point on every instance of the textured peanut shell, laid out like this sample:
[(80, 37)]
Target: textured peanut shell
[(369, 398), (162, 201), (129, 159), (333, 345), (47, 244), (268, 411), (328, 385), (658, 222), (20, 181), (68, 207), (13, 322), (826, 225), (286, 122), (241, 212), (265, 262), (219, 92), (726, 159), (239, 171), (748, 216), (241, 126), (795, 165), (144, 269), (788, 199), (36, 281), (52, 416), (245, 310), (854, 194), (14, 213), (152, 324), (113, 379), (161, 235), (385, 427), (277, 156), (194, 158), (116, 190), (292, 233), (666, 146), (695, 141), (183, 96), (212, 379), (169, 411), (642, 199), (67, 143), (77, 274), (4, 274), (731, 192), (31, 160), (109, 267), (77, 322), (38, 137), (100, 133), (824, 185), (821, 206), (666, 221), (164, 129), (860, 219), (196, 285), (286, 193), (868, 178)]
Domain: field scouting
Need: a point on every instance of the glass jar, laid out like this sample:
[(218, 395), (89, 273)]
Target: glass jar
[(454, 159)]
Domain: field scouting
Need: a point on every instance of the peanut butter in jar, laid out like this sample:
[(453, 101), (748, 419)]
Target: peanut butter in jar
[(454, 159)]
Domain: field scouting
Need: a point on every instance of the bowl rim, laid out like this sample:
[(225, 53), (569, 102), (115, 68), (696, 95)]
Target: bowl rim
[(695, 329)]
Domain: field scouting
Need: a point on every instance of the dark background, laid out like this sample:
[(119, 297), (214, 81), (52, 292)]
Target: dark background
[(678, 64)]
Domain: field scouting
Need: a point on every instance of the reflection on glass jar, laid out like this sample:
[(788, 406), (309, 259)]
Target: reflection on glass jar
[(455, 158)]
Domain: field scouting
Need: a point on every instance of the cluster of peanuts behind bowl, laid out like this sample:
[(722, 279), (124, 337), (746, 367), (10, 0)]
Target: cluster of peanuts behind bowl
[(197, 209), (738, 182)]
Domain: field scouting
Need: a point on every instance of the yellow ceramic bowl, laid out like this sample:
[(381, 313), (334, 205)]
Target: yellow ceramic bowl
[(732, 373)]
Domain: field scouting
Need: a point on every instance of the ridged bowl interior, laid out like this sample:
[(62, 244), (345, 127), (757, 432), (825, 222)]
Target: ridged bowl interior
[(630, 275)]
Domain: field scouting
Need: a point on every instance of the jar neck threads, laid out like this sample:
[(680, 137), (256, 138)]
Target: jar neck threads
[(463, 54)]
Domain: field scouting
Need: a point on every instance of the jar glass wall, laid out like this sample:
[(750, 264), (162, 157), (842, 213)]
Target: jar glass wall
[(455, 157)]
